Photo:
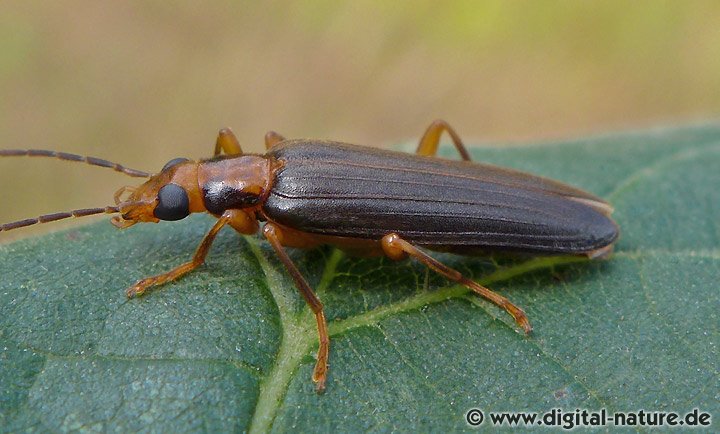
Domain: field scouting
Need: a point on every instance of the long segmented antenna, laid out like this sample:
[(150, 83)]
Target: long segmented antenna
[(73, 157), (58, 216)]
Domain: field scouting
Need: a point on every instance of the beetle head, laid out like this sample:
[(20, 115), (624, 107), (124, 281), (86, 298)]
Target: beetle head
[(169, 195)]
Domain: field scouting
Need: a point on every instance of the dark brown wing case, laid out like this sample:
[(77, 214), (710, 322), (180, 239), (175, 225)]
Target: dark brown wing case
[(338, 189)]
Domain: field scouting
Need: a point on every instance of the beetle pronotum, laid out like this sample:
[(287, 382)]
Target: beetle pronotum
[(313, 192)]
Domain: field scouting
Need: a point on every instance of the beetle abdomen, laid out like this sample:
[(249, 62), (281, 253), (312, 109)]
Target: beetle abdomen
[(344, 190)]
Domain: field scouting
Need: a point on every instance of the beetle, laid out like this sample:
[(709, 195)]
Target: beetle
[(315, 192)]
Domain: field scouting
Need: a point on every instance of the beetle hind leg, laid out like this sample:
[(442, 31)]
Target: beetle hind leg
[(397, 248), (430, 141)]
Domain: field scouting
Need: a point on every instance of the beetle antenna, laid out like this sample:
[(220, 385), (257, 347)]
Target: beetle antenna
[(73, 157), (47, 218)]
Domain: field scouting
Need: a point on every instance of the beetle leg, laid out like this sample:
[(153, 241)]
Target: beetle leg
[(227, 142), (429, 142), (142, 285), (397, 248), (272, 138), (274, 235)]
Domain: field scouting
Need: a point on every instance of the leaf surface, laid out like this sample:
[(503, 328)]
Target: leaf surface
[(231, 347)]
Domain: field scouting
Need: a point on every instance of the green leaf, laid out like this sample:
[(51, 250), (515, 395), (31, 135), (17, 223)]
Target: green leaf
[(231, 347)]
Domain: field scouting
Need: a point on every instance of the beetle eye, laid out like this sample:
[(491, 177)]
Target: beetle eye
[(173, 162), (173, 203)]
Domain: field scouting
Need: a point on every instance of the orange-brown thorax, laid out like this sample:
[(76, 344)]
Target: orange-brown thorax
[(236, 182)]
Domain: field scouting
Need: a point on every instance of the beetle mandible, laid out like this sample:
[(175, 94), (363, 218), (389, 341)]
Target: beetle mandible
[(360, 199)]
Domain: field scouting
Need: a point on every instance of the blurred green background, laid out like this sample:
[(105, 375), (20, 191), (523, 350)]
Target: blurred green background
[(142, 82)]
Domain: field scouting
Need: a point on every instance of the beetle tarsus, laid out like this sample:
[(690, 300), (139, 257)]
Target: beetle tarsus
[(135, 290), (520, 317), (321, 366)]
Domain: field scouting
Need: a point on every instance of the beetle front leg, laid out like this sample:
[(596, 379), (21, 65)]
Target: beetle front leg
[(274, 235), (429, 142), (397, 248), (143, 285), (228, 143)]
